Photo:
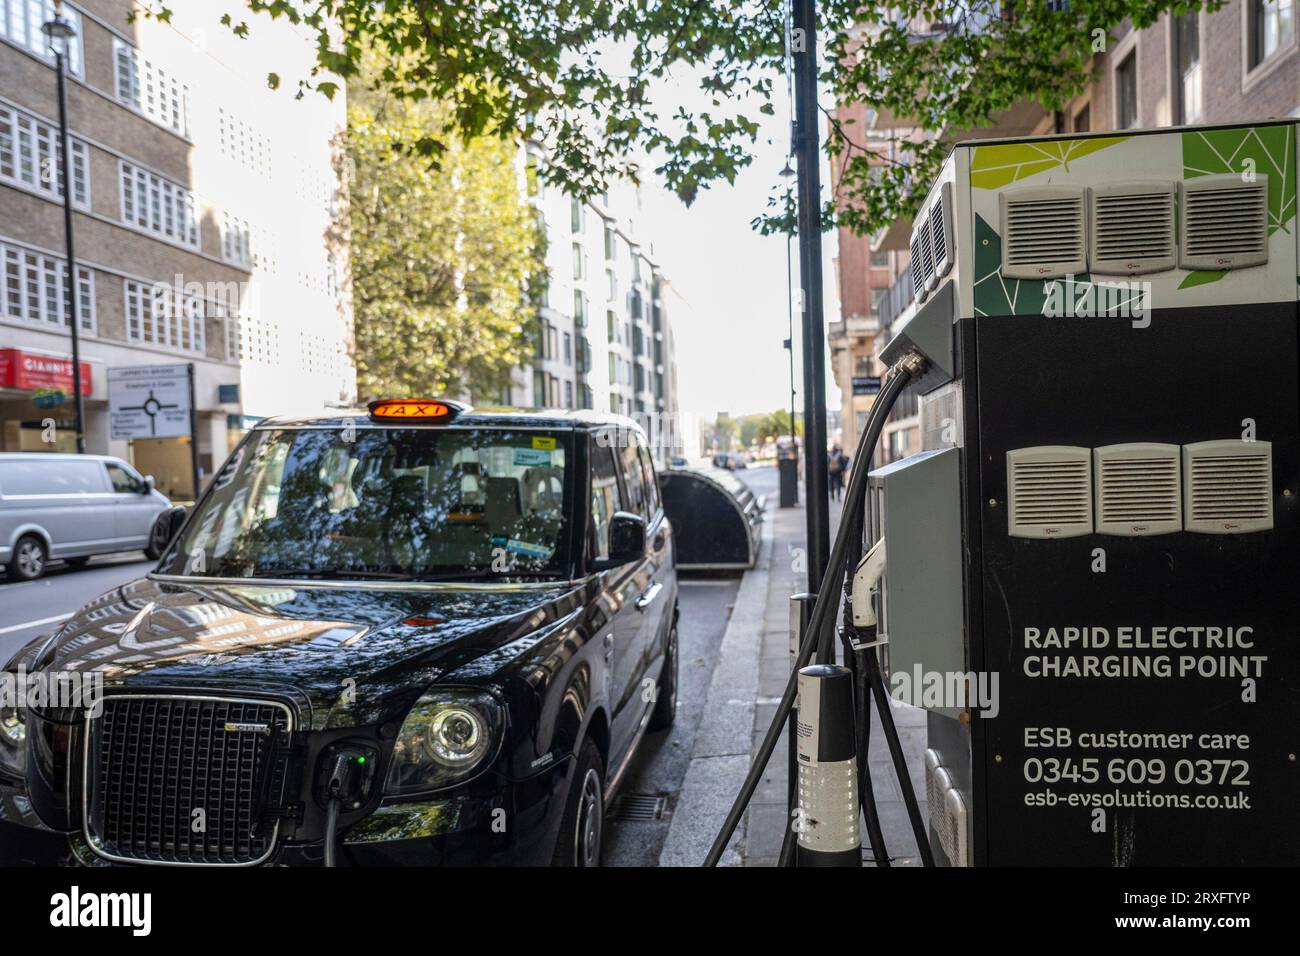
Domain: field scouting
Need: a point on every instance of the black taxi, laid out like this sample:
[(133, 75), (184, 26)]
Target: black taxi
[(415, 634)]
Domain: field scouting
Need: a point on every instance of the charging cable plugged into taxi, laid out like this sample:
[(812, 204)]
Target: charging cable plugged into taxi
[(347, 777)]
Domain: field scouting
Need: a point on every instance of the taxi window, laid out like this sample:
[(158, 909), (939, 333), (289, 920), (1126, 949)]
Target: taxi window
[(633, 479), (397, 502), (605, 497)]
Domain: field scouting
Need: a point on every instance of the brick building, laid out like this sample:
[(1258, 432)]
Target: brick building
[(207, 212), (1237, 64)]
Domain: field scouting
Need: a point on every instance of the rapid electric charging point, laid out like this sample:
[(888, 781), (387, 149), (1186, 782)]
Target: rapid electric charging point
[(1090, 569)]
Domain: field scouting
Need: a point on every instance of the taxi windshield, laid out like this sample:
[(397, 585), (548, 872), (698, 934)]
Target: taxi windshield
[(382, 502)]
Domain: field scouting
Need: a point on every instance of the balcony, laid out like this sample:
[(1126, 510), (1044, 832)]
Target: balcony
[(897, 298)]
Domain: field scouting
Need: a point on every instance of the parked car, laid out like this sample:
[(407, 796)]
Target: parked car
[(418, 635), (72, 507)]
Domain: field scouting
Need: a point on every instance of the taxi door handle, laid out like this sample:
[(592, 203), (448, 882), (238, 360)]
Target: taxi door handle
[(648, 596)]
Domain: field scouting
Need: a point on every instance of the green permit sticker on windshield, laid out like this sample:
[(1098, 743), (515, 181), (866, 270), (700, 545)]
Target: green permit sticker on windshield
[(531, 457), (526, 548)]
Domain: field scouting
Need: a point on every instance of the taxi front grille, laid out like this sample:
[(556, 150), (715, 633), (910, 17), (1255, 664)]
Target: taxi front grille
[(184, 779)]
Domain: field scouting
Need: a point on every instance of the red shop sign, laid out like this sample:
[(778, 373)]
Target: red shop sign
[(32, 370)]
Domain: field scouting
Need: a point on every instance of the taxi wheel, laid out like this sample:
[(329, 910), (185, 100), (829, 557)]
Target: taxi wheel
[(665, 711), (583, 828)]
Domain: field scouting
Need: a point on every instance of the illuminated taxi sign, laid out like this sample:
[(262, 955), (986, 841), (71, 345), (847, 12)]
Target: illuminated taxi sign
[(414, 409)]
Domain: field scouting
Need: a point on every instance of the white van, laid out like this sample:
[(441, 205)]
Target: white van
[(71, 507)]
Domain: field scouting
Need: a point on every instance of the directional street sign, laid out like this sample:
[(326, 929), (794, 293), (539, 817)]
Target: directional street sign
[(149, 401)]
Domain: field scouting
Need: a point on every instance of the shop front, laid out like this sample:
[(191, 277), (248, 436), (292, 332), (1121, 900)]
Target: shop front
[(37, 410)]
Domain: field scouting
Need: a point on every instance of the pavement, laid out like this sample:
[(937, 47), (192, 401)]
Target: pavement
[(752, 670)]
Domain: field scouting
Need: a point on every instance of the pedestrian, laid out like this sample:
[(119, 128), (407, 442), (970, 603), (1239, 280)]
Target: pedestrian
[(835, 472)]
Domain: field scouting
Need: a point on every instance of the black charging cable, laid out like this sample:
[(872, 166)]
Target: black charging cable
[(336, 787), (821, 625)]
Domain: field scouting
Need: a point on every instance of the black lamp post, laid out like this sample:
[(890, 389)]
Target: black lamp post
[(60, 31), (787, 173)]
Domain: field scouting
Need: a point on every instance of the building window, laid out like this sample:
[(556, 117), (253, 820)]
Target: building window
[(236, 241), (158, 206), (1271, 27), (577, 215), (568, 349), (611, 282), (1083, 119), (568, 394), (880, 260), (611, 326), (579, 262), (158, 315), (29, 157), (1187, 68), (144, 86), (611, 242), (35, 289), (20, 23), (1126, 104), (878, 295), (539, 389), (613, 369), (579, 309)]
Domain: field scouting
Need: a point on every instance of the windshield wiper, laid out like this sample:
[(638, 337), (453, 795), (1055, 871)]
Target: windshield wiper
[(481, 574), (331, 575)]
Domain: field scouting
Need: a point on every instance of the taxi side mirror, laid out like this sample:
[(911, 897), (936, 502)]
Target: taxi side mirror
[(626, 540)]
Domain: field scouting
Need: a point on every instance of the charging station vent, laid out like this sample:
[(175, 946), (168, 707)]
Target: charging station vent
[(922, 261), (1043, 234), (1049, 491), (941, 232), (1229, 486), (1132, 228), (1224, 222), (1138, 489), (947, 810)]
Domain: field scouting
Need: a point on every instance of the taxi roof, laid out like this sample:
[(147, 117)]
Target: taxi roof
[(490, 417)]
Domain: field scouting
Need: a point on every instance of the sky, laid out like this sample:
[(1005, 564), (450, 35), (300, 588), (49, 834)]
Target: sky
[(730, 356)]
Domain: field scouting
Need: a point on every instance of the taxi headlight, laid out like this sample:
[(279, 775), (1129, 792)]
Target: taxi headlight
[(448, 737), (13, 739)]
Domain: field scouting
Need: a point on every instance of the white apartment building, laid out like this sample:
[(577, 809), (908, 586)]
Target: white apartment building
[(605, 338), (209, 223)]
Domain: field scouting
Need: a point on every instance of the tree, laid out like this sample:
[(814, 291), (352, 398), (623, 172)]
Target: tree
[(777, 425), (443, 259), (587, 77), (724, 432)]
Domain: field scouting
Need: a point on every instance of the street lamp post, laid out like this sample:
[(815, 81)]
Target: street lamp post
[(60, 31), (808, 154), (787, 174)]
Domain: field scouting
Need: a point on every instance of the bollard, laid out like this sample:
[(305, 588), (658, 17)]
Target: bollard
[(827, 821)]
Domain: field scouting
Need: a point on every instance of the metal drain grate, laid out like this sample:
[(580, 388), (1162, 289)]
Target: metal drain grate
[(639, 806)]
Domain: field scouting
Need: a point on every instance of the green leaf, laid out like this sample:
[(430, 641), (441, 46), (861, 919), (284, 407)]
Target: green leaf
[(1201, 277), (1267, 150), (993, 167)]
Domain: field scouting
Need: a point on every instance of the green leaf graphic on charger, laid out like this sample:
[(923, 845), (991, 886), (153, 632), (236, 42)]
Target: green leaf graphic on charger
[(1219, 152), (993, 167)]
